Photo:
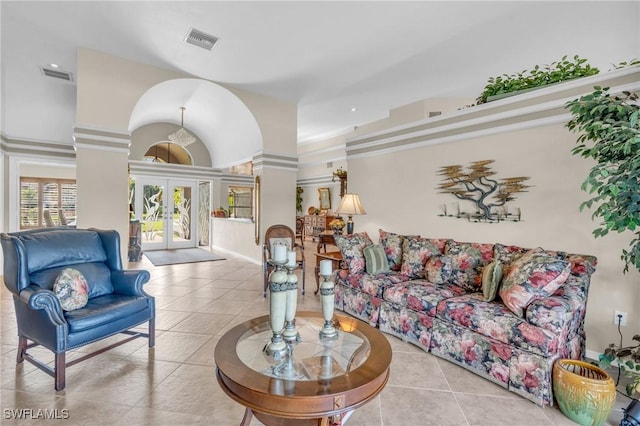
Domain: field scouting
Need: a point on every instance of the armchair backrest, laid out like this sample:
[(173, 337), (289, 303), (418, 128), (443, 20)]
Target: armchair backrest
[(279, 234), (38, 256)]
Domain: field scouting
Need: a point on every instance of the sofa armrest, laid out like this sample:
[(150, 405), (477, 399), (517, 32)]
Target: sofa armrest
[(130, 282)]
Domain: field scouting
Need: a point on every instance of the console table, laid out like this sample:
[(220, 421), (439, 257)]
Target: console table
[(315, 224)]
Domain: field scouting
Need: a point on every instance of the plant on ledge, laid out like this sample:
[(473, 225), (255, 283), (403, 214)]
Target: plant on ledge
[(563, 70)]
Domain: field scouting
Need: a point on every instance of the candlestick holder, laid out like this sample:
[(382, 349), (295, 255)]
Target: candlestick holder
[(290, 334), (276, 349), (327, 297)]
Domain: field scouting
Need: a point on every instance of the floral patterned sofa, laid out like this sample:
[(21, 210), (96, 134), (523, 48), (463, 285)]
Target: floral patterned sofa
[(504, 312)]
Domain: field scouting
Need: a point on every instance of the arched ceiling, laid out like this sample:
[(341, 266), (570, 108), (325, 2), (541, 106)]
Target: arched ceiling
[(218, 117)]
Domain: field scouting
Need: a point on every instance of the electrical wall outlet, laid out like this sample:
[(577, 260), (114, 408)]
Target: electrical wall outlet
[(620, 317)]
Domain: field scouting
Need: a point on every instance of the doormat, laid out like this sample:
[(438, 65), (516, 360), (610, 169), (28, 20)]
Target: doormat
[(176, 256)]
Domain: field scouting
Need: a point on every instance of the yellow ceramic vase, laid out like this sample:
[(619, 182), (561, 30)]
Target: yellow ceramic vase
[(584, 392)]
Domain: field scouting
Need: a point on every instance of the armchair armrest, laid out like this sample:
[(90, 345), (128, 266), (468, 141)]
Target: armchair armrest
[(130, 282), (42, 299)]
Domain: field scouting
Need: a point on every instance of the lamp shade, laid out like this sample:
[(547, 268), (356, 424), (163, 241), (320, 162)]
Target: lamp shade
[(350, 205)]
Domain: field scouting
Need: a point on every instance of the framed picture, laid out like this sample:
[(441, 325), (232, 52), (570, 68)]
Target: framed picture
[(325, 198)]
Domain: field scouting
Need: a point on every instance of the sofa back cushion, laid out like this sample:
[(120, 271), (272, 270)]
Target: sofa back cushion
[(469, 260), (351, 247), (392, 244), (415, 253)]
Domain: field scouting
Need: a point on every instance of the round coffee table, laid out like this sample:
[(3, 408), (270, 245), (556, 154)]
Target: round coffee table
[(331, 377)]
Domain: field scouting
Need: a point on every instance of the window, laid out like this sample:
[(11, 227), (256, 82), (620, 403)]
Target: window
[(240, 202), (58, 196)]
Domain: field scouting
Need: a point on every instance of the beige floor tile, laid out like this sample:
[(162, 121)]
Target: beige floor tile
[(209, 292), (462, 380), (369, 414), (187, 304), (226, 307), (417, 370), (165, 319), (204, 355), (174, 347), (156, 417), (242, 295), (201, 323), (496, 411), (166, 290), (402, 406)]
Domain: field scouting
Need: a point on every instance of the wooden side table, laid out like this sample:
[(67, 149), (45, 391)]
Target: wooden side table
[(325, 238), (334, 256)]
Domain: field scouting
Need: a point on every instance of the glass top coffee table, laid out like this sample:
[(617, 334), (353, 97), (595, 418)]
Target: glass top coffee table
[(330, 378)]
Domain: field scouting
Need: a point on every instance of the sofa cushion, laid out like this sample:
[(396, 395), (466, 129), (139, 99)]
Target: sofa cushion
[(495, 320), (392, 244), (367, 283), (420, 295), (415, 253), (439, 269), (103, 310), (507, 254), (375, 259), (97, 275), (535, 275), (71, 289), (469, 260), (351, 247), (491, 277)]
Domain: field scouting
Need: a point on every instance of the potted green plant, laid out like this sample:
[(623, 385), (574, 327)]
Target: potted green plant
[(628, 358), (509, 84), (609, 127)]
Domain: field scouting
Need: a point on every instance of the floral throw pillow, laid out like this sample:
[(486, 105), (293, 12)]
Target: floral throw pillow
[(533, 276), (392, 244), (415, 253), (352, 246), (71, 289)]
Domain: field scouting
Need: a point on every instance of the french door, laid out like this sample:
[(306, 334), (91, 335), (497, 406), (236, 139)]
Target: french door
[(166, 212)]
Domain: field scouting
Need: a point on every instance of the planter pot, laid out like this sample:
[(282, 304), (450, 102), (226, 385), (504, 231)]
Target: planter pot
[(584, 392), (631, 414)]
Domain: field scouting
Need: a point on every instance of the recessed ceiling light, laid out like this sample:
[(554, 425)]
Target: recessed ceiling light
[(354, 109), (54, 66)]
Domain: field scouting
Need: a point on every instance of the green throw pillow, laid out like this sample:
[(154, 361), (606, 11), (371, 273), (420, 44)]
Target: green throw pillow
[(491, 277), (375, 259)]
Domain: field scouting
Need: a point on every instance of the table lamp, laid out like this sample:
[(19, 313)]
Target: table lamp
[(350, 205)]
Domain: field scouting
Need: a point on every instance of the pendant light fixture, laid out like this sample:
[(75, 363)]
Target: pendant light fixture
[(182, 137)]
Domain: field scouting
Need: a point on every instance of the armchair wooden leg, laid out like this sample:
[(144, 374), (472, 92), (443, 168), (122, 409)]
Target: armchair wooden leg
[(152, 332), (59, 372), (22, 348)]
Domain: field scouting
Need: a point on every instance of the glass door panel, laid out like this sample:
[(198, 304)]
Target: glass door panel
[(181, 215)]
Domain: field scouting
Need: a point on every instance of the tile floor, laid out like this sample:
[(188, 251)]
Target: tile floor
[(175, 383)]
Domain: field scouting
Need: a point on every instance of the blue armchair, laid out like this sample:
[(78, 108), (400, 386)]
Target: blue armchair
[(116, 301)]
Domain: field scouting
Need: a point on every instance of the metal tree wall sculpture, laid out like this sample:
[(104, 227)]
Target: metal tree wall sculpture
[(489, 195)]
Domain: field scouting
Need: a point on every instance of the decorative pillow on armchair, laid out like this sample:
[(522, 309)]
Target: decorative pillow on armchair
[(415, 253), (392, 244), (71, 289), (533, 276), (352, 246)]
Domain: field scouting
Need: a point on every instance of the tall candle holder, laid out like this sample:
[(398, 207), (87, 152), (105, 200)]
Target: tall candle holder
[(276, 349), (290, 334), (327, 297)]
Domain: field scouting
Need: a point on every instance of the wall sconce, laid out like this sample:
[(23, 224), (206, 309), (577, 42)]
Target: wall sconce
[(342, 175)]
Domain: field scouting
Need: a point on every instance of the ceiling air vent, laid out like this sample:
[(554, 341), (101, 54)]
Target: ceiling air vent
[(200, 39), (62, 75)]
